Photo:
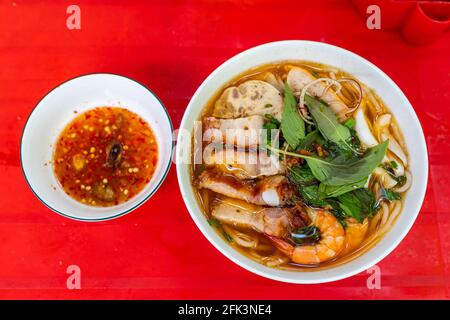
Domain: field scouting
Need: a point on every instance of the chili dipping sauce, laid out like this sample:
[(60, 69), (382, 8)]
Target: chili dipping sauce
[(105, 156)]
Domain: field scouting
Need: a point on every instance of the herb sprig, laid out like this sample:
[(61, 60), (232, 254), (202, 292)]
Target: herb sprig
[(292, 125)]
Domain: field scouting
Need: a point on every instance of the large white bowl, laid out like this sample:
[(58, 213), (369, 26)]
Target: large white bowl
[(58, 108), (362, 70)]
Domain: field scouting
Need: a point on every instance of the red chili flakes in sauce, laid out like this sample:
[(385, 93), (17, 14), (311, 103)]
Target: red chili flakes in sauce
[(105, 156)]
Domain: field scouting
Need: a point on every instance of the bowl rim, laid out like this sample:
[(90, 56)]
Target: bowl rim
[(240, 259), (128, 210)]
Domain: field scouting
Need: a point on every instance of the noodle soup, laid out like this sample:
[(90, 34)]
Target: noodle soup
[(302, 166)]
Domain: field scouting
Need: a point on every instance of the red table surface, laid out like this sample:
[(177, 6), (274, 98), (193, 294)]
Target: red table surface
[(157, 252)]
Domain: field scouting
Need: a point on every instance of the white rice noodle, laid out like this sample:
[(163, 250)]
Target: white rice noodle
[(374, 222), (242, 239), (382, 123), (400, 170), (273, 260), (385, 178), (407, 184), (358, 87), (395, 148), (397, 134), (384, 213), (320, 69), (394, 212), (373, 100), (362, 129)]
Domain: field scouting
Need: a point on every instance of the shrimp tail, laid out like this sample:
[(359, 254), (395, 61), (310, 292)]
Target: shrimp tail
[(330, 244), (282, 245)]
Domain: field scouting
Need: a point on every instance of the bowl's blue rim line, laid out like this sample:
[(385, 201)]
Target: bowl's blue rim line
[(143, 200)]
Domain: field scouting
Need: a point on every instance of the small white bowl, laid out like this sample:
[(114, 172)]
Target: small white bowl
[(362, 70), (58, 108)]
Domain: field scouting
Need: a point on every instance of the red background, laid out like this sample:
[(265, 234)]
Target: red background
[(171, 46)]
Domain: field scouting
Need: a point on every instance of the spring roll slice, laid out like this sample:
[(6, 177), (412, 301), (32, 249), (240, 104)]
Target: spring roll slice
[(298, 78), (242, 132), (268, 191), (253, 97)]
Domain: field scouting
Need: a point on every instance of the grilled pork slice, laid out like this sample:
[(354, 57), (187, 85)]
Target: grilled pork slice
[(253, 97), (298, 78), (278, 222), (244, 164), (241, 132), (270, 191)]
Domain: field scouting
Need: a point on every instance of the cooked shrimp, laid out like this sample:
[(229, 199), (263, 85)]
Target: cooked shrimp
[(330, 244)]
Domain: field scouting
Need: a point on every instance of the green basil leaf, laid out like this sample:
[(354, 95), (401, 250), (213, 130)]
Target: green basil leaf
[(271, 124), (213, 222), (358, 204), (350, 123), (394, 164), (350, 208), (227, 236), (328, 123), (390, 195), (292, 125), (308, 141), (341, 170), (307, 185), (327, 191), (312, 196), (301, 176), (401, 180), (337, 211)]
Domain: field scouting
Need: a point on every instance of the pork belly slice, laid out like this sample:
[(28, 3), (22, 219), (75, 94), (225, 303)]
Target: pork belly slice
[(241, 132), (253, 97), (278, 222), (298, 78), (244, 164), (269, 191)]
